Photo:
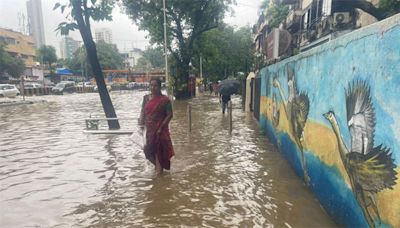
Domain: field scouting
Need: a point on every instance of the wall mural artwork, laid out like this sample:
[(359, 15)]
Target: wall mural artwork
[(296, 108), (370, 169), (346, 142), (275, 111)]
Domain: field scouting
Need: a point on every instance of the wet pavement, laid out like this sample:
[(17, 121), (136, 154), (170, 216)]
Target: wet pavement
[(54, 175)]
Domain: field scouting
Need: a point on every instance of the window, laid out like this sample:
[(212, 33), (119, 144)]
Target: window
[(326, 8), (7, 40)]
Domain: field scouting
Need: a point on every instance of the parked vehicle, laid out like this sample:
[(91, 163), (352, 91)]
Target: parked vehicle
[(84, 84), (95, 89), (32, 86), (64, 87), (7, 90), (132, 85)]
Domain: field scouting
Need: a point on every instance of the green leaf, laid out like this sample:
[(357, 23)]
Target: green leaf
[(63, 8), (56, 6)]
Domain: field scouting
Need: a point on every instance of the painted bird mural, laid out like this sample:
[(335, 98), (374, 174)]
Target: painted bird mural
[(296, 108), (370, 169)]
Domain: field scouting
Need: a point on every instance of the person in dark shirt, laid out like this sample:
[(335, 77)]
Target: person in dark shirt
[(225, 99)]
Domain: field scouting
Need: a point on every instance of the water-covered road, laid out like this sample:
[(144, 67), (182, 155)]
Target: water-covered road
[(54, 175)]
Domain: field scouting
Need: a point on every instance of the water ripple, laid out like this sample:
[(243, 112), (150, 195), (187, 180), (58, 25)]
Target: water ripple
[(54, 175)]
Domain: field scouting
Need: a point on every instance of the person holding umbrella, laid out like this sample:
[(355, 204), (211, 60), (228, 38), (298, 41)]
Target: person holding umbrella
[(225, 99), (226, 88)]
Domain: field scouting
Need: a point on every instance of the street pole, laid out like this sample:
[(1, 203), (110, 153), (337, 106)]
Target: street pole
[(201, 68), (165, 49), (201, 75)]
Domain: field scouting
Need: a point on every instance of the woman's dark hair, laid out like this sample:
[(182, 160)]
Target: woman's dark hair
[(158, 81)]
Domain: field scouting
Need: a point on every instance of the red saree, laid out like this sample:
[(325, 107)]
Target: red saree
[(154, 111)]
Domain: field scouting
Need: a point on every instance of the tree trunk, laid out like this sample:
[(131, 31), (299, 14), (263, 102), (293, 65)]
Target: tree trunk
[(101, 85), (181, 82), (94, 61)]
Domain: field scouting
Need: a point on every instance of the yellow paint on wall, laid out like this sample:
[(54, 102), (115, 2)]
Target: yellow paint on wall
[(388, 202), (266, 110), (321, 141)]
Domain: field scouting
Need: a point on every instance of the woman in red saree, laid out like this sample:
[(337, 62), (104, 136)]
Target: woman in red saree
[(155, 116)]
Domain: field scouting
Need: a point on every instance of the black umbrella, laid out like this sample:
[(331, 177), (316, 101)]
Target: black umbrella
[(228, 87)]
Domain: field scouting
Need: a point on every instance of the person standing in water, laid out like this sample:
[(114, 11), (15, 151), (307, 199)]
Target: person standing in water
[(225, 98), (155, 116)]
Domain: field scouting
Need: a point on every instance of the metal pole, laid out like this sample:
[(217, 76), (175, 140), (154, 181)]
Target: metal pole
[(201, 68), (165, 48), (230, 116), (22, 79), (189, 115), (201, 76)]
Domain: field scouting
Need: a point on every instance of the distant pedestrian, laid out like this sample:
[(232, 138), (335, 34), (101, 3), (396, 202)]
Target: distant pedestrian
[(215, 88), (225, 99)]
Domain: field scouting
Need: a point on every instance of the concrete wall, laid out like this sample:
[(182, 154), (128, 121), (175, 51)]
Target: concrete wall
[(334, 113), (249, 92)]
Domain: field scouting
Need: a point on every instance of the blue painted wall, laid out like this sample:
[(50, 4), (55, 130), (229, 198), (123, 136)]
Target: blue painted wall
[(371, 56)]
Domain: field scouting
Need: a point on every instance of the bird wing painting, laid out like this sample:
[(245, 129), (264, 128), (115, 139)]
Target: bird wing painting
[(296, 108), (360, 117), (370, 169)]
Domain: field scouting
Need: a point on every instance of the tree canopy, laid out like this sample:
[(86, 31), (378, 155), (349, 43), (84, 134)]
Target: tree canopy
[(108, 55), (14, 66), (275, 12), (46, 54), (186, 20), (225, 52), (154, 56), (390, 6)]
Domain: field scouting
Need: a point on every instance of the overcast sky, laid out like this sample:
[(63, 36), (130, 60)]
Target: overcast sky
[(125, 34)]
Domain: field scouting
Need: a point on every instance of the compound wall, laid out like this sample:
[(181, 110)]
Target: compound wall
[(334, 113)]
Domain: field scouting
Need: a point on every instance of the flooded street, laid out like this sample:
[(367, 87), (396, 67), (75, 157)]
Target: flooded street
[(52, 174)]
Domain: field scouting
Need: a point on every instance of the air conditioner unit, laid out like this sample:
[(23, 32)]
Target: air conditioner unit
[(341, 18)]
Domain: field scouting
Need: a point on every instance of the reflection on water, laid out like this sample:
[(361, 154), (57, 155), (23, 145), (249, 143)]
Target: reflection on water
[(52, 174)]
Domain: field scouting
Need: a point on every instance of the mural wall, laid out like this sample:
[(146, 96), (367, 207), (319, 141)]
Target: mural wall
[(334, 113)]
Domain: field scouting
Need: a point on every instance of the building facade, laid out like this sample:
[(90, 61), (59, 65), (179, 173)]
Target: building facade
[(68, 46), (19, 45), (131, 57), (104, 34), (35, 21)]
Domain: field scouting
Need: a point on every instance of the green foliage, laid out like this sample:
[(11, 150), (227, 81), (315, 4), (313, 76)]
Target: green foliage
[(183, 17), (108, 55), (142, 63), (46, 54), (225, 52), (155, 57), (276, 13), (186, 21), (14, 66), (97, 10), (390, 6)]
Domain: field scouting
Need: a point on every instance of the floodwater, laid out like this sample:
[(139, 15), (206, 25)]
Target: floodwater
[(52, 174)]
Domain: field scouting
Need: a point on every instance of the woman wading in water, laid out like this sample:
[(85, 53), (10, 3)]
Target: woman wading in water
[(155, 116)]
